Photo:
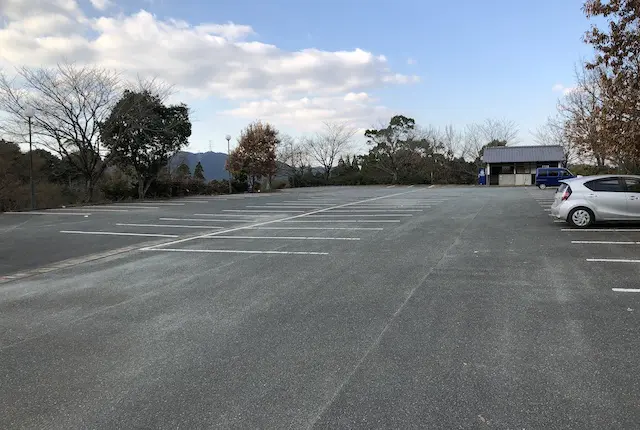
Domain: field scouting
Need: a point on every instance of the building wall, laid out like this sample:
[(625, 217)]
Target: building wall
[(515, 174)]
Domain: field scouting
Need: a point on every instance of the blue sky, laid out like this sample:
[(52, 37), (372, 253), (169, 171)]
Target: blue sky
[(474, 60)]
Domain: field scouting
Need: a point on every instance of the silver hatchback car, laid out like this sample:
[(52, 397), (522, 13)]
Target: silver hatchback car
[(588, 199)]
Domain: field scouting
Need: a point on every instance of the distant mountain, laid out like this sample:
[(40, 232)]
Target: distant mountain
[(213, 164)]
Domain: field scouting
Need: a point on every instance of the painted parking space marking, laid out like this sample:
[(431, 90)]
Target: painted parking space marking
[(260, 211), (284, 237), (284, 207), (113, 233), (202, 226), (361, 214), (234, 251), (236, 215), (160, 204), (204, 220), (603, 242), (123, 207), (92, 210), (319, 228), (340, 221), (390, 211), (49, 213), (273, 221), (626, 290), (612, 260), (601, 229)]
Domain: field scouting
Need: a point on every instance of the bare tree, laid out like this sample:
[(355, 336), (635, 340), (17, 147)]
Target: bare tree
[(583, 117), (553, 132), (327, 145), (452, 142), (291, 155), (69, 103), (498, 130)]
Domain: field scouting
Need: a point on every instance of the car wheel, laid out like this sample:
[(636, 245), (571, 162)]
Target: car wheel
[(542, 186), (580, 218)]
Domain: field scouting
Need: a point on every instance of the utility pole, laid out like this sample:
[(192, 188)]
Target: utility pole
[(228, 137), (29, 113)]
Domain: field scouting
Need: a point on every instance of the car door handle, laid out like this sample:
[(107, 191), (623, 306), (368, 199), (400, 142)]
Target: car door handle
[(592, 196), (633, 198)]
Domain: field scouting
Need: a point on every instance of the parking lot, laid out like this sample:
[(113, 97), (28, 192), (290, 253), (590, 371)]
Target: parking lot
[(345, 307), (291, 223), (612, 250)]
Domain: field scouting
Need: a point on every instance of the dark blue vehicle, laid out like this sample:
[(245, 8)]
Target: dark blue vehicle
[(551, 176)]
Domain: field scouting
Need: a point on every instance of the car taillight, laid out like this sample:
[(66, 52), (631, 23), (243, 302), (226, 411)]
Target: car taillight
[(566, 194)]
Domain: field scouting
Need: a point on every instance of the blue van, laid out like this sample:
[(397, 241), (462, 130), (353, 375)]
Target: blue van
[(551, 176)]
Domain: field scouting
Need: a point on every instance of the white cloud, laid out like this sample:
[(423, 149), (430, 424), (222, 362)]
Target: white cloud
[(311, 112), (221, 60), (411, 61), (102, 4), (229, 31), (559, 88)]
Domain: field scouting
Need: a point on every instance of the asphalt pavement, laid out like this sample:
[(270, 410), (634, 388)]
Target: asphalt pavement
[(346, 307)]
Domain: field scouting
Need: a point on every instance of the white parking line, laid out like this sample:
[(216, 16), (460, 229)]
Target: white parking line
[(284, 207), (196, 201), (611, 260), (160, 204), (391, 206), (273, 221), (284, 237), (361, 214), (318, 228), (626, 290), (391, 211), (314, 200), (205, 220), (113, 233), (236, 215), (601, 229), (233, 251), (260, 211), (340, 221), (123, 207), (169, 226), (603, 242), (49, 213), (93, 210)]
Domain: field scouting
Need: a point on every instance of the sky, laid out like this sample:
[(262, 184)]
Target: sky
[(300, 63)]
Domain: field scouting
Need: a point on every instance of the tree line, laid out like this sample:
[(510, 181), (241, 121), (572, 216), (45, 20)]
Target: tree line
[(400, 152), (100, 137), (598, 121), (93, 130)]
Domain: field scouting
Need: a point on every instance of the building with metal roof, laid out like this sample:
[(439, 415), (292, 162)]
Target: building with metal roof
[(516, 165)]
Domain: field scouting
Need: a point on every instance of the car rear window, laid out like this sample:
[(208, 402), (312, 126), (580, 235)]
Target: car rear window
[(542, 173), (612, 185), (561, 188)]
